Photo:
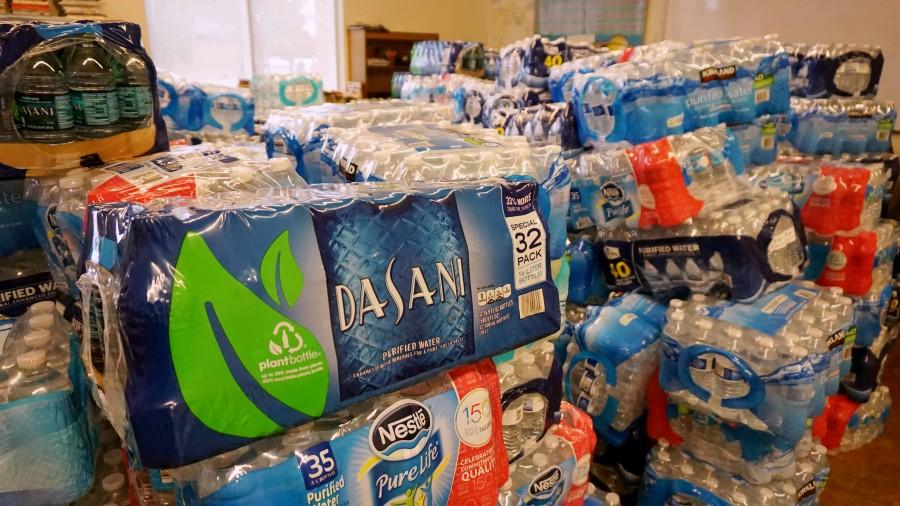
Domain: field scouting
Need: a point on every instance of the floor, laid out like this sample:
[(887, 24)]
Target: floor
[(871, 474)]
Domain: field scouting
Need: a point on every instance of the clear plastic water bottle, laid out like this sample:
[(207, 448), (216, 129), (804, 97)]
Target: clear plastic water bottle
[(34, 377), (133, 95), (43, 101), (40, 339), (95, 105), (534, 406)]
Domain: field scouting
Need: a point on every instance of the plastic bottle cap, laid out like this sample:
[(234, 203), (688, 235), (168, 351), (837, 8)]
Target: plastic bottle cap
[(32, 360), (766, 342), (113, 482), (505, 369), (540, 460), (739, 498), (798, 352), (884, 389), (280, 165), (75, 172), (678, 314), (698, 297), (41, 321), (527, 358), (44, 306), (112, 457), (612, 499), (806, 467), (676, 303), (766, 493), (705, 324), (37, 338)]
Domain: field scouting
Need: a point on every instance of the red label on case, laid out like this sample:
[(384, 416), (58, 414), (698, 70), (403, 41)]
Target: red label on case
[(663, 194), (850, 262), (837, 200)]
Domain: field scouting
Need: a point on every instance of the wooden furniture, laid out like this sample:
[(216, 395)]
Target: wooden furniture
[(375, 56)]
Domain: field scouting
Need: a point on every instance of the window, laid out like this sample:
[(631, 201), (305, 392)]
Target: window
[(224, 41)]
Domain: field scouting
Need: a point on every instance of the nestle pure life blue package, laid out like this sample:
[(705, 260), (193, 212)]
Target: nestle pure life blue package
[(302, 305), (436, 442)]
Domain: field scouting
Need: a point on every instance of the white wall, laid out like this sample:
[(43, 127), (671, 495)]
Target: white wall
[(130, 10), (863, 21)]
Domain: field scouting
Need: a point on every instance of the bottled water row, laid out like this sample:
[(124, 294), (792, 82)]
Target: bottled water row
[(841, 125), (743, 250), (555, 469), (47, 443), (825, 70), (543, 124), (759, 139), (859, 263), (674, 477), (278, 91), (421, 151), (193, 110), (561, 76), (529, 61), (434, 88), (662, 183), (438, 458), (754, 456), (482, 103), (526, 386), (681, 91), (297, 131), (867, 423), (35, 355), (767, 365), (833, 196), (427, 58), (73, 89), (613, 354)]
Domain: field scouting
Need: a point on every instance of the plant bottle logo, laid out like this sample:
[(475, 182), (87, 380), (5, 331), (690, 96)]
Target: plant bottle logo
[(290, 342), (401, 431)]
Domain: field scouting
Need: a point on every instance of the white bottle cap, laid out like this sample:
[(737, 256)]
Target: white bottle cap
[(37, 338), (505, 369), (526, 358), (738, 498), (678, 314), (676, 303), (539, 459), (32, 360), (112, 457), (698, 297), (766, 342), (705, 324), (280, 165), (806, 467), (884, 389), (41, 321), (766, 493), (113, 482), (71, 182), (44, 306), (611, 499)]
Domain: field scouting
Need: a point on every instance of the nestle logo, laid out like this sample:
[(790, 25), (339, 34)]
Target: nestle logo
[(544, 484), (612, 193), (403, 426)]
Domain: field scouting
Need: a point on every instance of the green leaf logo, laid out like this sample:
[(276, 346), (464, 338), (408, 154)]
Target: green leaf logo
[(226, 343)]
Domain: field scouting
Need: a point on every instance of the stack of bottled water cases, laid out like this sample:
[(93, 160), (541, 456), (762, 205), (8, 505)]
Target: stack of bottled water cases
[(835, 70), (675, 216), (195, 111), (427, 58), (47, 438), (279, 91), (841, 125), (74, 94), (674, 476), (298, 131), (444, 152), (675, 91), (438, 88), (611, 355), (95, 203)]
